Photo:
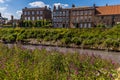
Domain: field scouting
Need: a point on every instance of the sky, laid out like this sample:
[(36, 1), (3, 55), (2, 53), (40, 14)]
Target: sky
[(14, 7)]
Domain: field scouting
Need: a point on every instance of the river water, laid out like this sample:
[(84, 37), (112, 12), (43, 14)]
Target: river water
[(114, 56)]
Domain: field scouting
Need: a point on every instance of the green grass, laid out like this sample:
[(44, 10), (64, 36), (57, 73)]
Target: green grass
[(20, 64)]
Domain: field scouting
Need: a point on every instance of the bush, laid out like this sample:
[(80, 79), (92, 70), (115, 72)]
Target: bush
[(92, 37)]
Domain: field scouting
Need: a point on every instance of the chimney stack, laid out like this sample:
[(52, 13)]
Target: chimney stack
[(73, 5), (54, 7), (59, 7), (94, 5), (45, 7), (12, 17), (0, 15), (106, 4)]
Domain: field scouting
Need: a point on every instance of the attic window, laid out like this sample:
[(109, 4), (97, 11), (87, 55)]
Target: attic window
[(102, 17)]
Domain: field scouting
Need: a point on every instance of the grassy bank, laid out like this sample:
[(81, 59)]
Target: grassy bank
[(94, 38), (20, 64)]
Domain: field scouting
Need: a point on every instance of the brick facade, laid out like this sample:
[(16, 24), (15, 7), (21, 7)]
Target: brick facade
[(36, 13), (86, 17)]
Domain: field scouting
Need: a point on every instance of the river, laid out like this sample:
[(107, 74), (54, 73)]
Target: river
[(114, 56)]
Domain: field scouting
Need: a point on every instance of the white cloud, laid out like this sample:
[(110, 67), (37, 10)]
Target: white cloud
[(63, 5), (7, 15), (2, 9), (18, 12), (2, 1), (4, 12), (38, 4)]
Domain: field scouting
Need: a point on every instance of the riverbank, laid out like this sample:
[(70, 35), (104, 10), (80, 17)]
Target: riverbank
[(36, 42), (108, 55), (86, 38)]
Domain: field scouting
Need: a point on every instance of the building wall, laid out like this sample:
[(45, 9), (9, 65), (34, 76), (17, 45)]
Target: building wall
[(36, 14), (61, 18), (107, 20), (74, 17), (86, 17), (82, 17)]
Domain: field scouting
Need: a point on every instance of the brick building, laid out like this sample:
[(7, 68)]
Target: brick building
[(107, 15), (82, 17), (36, 13), (79, 17), (61, 17)]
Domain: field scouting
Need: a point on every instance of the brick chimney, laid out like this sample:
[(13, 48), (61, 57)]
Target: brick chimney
[(94, 5), (45, 7), (106, 4), (0, 15), (73, 5), (54, 7), (59, 7)]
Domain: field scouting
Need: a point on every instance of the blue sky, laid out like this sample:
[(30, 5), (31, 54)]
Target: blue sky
[(14, 7)]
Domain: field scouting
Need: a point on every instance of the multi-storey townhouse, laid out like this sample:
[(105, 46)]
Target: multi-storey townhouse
[(61, 17), (82, 17), (36, 13)]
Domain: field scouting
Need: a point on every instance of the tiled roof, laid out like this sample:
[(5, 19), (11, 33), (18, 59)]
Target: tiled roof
[(108, 10)]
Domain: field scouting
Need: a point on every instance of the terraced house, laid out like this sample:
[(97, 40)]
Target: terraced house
[(36, 13), (86, 17), (61, 17)]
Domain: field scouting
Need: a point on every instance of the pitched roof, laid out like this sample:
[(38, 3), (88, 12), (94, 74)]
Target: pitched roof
[(108, 10)]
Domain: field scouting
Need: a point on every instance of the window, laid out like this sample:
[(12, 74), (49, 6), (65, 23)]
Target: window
[(33, 18), (77, 19), (77, 12), (90, 12), (81, 12), (74, 12), (25, 18), (67, 13), (64, 13), (102, 17), (41, 12), (85, 25), (25, 13), (89, 25), (37, 12), (54, 13), (86, 12), (89, 18), (60, 13), (81, 18), (85, 18), (28, 13), (37, 17), (81, 25), (41, 17), (54, 19), (28, 18), (32, 12)]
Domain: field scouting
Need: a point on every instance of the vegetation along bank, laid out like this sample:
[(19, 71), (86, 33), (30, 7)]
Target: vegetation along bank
[(92, 38)]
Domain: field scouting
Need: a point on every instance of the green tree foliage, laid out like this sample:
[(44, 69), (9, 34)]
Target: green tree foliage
[(37, 23)]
